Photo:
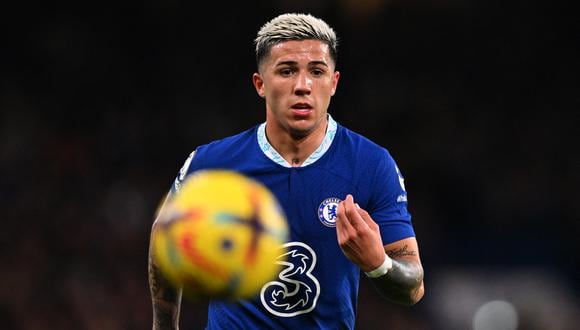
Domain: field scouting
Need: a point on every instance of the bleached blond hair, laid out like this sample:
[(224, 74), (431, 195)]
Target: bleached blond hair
[(293, 26)]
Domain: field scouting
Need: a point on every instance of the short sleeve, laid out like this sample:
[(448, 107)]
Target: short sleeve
[(183, 172), (388, 202)]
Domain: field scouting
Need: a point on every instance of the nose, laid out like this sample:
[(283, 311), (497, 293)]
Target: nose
[(303, 84)]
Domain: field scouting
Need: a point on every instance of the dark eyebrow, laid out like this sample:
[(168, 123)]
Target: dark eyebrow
[(318, 63), (294, 63), (289, 63)]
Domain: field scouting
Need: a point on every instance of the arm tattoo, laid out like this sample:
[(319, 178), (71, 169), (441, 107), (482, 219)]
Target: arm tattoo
[(403, 283), (397, 253), (166, 299)]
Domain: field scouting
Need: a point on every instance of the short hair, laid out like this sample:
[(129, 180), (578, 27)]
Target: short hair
[(293, 26)]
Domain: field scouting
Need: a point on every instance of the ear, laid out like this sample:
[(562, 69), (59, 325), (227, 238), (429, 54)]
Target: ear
[(258, 84), (335, 77)]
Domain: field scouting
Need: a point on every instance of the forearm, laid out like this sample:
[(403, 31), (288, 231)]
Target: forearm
[(403, 283), (166, 299)]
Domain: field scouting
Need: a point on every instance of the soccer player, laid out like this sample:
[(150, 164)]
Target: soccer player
[(343, 195)]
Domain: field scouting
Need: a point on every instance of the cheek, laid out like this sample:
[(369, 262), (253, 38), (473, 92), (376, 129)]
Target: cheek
[(326, 90), (274, 98), (275, 93)]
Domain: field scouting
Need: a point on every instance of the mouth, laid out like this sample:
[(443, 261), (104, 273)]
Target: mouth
[(301, 109)]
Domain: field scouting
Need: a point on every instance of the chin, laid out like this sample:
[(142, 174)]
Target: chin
[(304, 126), (300, 131)]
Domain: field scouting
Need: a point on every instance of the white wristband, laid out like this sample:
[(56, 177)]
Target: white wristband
[(382, 269)]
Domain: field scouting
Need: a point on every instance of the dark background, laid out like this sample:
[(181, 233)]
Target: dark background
[(477, 101)]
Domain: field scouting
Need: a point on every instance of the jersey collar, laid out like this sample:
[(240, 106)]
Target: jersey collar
[(271, 153)]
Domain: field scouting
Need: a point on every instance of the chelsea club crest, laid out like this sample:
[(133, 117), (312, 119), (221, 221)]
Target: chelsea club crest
[(327, 211)]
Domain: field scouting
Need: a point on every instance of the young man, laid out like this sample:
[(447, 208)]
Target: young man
[(343, 195)]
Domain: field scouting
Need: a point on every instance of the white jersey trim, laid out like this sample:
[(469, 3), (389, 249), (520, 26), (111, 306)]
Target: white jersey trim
[(271, 153)]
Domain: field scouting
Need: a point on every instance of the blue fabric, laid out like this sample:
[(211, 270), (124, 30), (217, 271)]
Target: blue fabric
[(322, 290)]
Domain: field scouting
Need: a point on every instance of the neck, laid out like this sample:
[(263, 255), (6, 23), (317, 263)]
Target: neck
[(295, 149)]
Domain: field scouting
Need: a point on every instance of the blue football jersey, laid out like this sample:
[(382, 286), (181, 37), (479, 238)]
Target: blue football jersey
[(318, 286)]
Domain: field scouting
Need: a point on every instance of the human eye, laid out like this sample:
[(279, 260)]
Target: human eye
[(317, 72), (285, 72)]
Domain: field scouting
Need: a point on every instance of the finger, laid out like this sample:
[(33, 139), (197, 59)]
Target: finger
[(367, 218), (343, 225), (352, 213)]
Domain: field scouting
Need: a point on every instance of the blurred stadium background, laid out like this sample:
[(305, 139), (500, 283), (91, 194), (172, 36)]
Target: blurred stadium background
[(477, 100)]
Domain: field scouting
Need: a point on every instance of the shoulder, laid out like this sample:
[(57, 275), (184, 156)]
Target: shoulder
[(359, 144), (218, 153), (227, 151), (232, 140), (227, 146)]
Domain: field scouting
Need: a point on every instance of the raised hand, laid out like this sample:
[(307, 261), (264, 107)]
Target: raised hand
[(359, 236)]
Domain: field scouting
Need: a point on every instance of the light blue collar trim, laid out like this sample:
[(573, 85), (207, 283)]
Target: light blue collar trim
[(271, 153)]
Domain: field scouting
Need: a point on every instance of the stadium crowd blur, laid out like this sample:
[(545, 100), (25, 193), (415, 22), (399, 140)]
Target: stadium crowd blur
[(477, 101)]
